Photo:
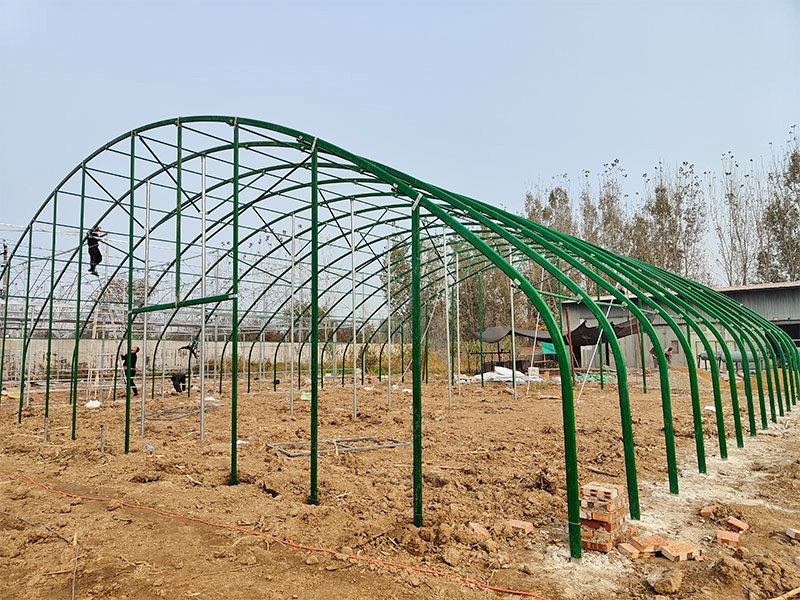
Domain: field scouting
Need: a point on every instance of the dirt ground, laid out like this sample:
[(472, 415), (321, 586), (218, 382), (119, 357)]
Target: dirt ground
[(162, 521)]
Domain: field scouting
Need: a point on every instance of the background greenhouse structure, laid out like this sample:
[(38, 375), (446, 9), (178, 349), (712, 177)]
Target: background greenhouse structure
[(287, 257)]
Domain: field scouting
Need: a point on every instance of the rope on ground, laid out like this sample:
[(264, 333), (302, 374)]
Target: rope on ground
[(275, 539), (72, 542)]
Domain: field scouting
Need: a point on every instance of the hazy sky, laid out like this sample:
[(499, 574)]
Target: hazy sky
[(487, 98)]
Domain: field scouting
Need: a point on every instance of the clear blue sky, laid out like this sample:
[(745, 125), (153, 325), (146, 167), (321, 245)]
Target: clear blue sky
[(486, 98)]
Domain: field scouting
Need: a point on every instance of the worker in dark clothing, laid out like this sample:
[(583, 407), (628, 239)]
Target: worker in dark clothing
[(129, 368), (179, 382), (93, 242)]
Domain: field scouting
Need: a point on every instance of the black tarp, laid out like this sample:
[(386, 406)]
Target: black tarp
[(582, 335)]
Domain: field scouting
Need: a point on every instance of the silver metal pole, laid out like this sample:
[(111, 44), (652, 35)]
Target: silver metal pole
[(202, 344), (389, 319), (291, 330), (458, 329), (163, 365), (513, 336), (353, 285), (216, 313), (146, 300), (447, 322)]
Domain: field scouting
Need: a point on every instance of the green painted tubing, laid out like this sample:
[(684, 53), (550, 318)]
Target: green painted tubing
[(6, 272), (600, 345), (426, 343), (402, 354), (129, 333), (567, 398), (76, 348), (257, 123), (179, 176), (182, 303), (748, 388), (662, 370), (605, 325), (480, 324), (235, 311), (666, 403), (643, 357), (50, 314), (635, 276), (704, 299), (734, 312), (314, 426), (416, 387), (25, 328)]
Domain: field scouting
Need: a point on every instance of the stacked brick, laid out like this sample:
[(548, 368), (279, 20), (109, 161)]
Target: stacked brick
[(604, 516)]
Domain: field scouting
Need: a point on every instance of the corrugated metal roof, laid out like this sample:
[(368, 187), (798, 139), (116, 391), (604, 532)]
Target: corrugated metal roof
[(760, 286)]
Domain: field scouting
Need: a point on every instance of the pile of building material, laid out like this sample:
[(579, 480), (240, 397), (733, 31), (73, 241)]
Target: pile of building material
[(604, 516)]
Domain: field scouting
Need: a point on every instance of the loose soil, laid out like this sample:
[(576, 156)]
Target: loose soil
[(162, 521)]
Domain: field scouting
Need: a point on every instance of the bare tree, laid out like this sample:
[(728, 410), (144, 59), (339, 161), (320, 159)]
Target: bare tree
[(668, 229), (613, 232), (735, 201), (780, 260)]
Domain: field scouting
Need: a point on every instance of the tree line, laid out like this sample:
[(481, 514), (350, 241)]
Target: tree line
[(737, 226)]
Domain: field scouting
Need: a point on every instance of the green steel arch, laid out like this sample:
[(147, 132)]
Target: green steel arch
[(171, 192)]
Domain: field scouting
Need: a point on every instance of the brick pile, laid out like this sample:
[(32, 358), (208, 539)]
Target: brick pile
[(604, 516)]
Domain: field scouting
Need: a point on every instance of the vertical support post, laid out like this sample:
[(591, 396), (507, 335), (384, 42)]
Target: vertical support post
[(50, 315), (640, 338), (73, 386), (163, 365), (416, 364), (179, 193), (458, 328), (6, 279), (513, 327), (480, 323), (146, 301), (314, 327), (353, 284), (402, 352), (600, 343), (389, 320), (291, 324), (447, 320), (235, 310), (25, 325), (129, 345), (427, 328), (203, 292)]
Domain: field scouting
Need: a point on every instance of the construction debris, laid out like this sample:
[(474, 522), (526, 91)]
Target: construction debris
[(708, 511), (604, 516), (736, 525), (728, 538)]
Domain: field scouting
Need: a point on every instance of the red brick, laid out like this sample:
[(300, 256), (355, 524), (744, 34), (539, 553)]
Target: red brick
[(612, 517), (793, 533), (626, 534), (708, 511), (728, 538), (525, 526), (680, 551), (607, 491), (735, 524), (480, 531), (628, 550), (649, 543), (600, 504), (599, 525), (601, 547)]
